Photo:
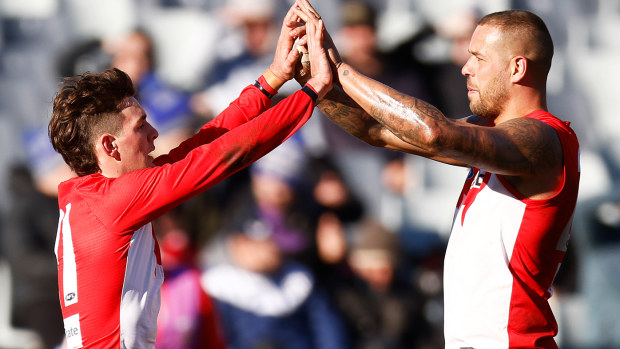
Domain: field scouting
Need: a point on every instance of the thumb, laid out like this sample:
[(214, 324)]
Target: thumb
[(293, 56)]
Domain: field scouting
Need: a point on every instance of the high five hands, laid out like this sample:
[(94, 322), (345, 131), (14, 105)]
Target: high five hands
[(314, 39), (310, 38), (286, 58)]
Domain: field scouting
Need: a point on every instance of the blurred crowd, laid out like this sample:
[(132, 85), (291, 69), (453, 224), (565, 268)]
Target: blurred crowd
[(326, 242)]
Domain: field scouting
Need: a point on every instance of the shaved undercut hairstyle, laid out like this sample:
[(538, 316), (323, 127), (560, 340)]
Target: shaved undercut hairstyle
[(529, 30), (86, 107)]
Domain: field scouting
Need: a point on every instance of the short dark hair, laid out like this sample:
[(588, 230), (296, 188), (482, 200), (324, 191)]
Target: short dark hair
[(86, 107), (529, 29)]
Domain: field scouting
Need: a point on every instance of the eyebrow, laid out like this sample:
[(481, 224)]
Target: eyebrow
[(140, 120), (476, 54)]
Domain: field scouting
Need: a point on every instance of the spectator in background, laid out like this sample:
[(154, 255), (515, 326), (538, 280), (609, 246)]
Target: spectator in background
[(83, 56), (340, 209), (381, 302), (167, 106), (271, 258), (357, 39), (28, 237), (247, 51), (266, 300), (276, 197), (597, 227), (187, 319), (303, 200), (134, 53), (457, 29)]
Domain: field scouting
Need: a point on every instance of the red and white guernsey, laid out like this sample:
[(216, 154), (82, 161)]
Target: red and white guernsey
[(109, 268), (503, 254)]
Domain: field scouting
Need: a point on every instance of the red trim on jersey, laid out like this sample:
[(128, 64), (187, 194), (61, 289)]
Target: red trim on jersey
[(536, 259)]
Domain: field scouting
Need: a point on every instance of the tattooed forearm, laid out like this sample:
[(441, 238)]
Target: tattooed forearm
[(427, 109), (342, 110), (409, 118)]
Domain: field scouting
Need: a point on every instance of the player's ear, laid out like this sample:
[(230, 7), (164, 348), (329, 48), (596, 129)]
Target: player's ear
[(518, 68), (108, 143)]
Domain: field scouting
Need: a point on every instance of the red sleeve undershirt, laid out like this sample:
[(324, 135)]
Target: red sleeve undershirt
[(250, 103), (229, 143)]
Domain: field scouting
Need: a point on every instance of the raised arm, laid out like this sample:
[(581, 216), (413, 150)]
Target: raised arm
[(251, 102), (152, 191), (342, 109), (520, 147), (346, 113), (208, 164)]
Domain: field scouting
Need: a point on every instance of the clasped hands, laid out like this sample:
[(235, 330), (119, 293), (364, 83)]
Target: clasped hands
[(304, 43)]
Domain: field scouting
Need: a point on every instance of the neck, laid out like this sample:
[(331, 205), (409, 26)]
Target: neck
[(109, 168), (109, 174), (525, 101)]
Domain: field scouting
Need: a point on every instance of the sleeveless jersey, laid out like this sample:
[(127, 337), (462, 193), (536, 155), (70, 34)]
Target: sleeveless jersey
[(109, 267), (503, 254)]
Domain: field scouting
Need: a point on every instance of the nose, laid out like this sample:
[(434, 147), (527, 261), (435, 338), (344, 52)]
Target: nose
[(466, 70), (154, 134)]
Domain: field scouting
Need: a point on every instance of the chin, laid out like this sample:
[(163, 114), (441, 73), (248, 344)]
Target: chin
[(482, 112)]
